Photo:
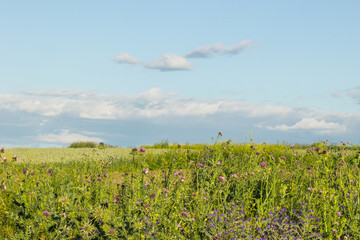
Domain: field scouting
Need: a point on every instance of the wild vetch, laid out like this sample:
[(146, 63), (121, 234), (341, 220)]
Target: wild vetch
[(46, 213), (185, 214)]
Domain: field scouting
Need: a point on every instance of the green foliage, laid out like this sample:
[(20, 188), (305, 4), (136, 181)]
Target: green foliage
[(216, 191), (86, 144)]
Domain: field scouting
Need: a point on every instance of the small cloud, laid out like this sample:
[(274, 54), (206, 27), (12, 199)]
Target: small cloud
[(219, 49), (230, 92), (54, 93), (337, 95), (354, 93), (170, 62), (65, 137), (312, 124), (126, 58)]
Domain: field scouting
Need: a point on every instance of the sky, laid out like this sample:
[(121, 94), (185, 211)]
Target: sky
[(139, 72)]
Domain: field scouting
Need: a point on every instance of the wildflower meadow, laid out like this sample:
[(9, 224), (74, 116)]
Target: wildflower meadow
[(222, 190)]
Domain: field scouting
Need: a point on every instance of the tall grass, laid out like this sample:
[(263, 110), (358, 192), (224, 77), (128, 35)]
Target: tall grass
[(217, 191)]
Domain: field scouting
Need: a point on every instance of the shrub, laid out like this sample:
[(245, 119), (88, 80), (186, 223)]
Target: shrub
[(84, 144)]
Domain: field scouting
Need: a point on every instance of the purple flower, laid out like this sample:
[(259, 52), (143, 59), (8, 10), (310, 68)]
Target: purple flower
[(105, 175), (153, 196), (99, 179), (341, 164), (324, 152), (88, 180), (134, 149), (25, 170), (262, 164), (283, 158), (112, 230), (185, 214), (46, 213), (142, 150)]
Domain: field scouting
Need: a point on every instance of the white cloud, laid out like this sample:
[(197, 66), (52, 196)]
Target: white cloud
[(219, 49), (55, 93), (173, 62), (170, 62), (155, 114), (321, 126), (126, 58), (65, 137)]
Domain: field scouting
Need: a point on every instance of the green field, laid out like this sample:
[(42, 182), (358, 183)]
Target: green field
[(214, 191)]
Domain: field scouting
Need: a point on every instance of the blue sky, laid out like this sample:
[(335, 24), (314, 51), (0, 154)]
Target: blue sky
[(138, 72)]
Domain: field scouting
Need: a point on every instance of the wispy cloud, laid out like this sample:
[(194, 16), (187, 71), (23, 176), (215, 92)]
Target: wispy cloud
[(321, 126), (55, 93), (174, 62), (64, 136), (126, 58), (354, 93), (170, 62), (219, 49)]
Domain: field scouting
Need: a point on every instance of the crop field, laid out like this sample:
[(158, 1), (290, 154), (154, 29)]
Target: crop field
[(205, 191)]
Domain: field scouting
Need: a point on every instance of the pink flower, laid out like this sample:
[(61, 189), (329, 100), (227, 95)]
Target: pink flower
[(147, 184), (64, 200), (310, 189), (142, 150), (339, 214), (234, 175), (88, 180), (341, 164), (222, 179), (46, 213), (2, 150), (220, 134), (219, 163), (99, 179), (105, 175), (146, 171), (262, 164)]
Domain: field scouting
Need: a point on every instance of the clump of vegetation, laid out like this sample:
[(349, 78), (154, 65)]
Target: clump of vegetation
[(83, 144)]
